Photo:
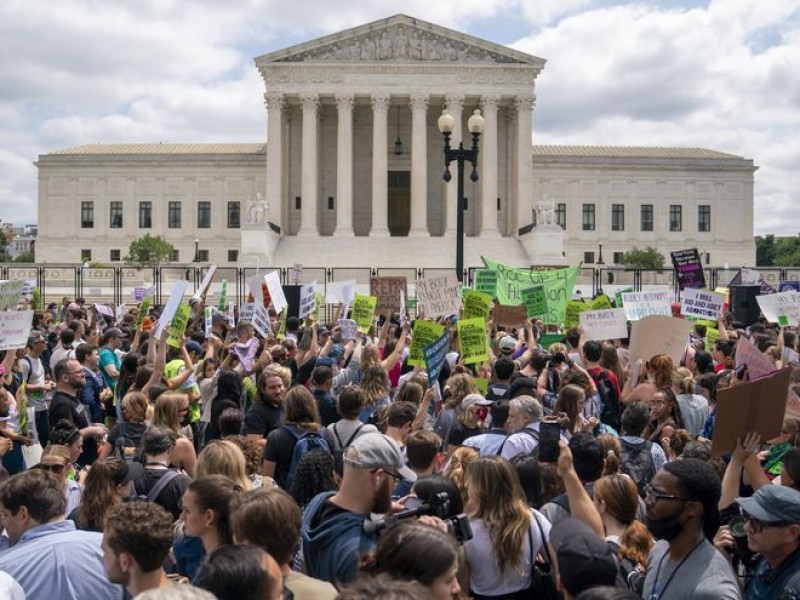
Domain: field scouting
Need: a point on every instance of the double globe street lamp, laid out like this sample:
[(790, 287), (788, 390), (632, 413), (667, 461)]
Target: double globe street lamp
[(475, 125)]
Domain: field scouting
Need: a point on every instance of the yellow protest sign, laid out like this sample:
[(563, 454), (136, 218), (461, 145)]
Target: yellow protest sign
[(472, 343), (712, 337), (424, 333), (364, 311), (476, 304), (602, 302), (178, 326), (574, 309)]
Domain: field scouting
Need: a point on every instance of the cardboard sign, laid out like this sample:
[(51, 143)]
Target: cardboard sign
[(423, 333), (246, 312), (701, 303), (256, 286), (15, 327), (275, 288), (602, 302), (486, 282), (387, 290), (608, 324), (435, 354), (175, 298), (510, 316), (207, 279), (574, 309), (10, 294), (659, 334), (308, 300), (349, 329), (758, 405), (712, 337), (104, 309), (439, 296), (364, 311), (558, 283), (178, 327), (759, 365), (535, 300), (688, 269), (785, 304), (476, 304), (472, 343), (260, 320), (638, 305)]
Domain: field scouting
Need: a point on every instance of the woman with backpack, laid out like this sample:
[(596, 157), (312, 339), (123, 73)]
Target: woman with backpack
[(376, 386), (125, 438), (349, 405), (301, 433)]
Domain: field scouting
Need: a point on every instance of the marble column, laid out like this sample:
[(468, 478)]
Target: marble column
[(344, 166), (309, 189), (274, 190), (488, 170), (419, 165), (455, 105), (524, 106), (380, 165)]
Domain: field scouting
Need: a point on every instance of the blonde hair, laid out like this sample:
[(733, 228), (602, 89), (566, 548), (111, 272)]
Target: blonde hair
[(136, 405), (276, 370), (165, 411), (460, 386), (462, 457), (58, 451), (221, 457)]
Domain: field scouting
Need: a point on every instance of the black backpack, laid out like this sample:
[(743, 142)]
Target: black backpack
[(127, 445), (611, 409), (636, 461), (628, 573)]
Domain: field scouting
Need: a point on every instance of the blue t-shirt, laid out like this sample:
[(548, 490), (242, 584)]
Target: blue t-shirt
[(109, 357)]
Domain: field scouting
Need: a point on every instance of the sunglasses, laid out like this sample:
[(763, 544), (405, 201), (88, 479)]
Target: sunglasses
[(52, 468), (758, 526)]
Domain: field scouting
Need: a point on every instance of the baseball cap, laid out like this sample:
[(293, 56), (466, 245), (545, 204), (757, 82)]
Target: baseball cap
[(471, 399), (35, 337), (584, 558), (376, 451), (322, 330), (324, 361), (772, 504), (507, 344), (115, 332), (193, 346)]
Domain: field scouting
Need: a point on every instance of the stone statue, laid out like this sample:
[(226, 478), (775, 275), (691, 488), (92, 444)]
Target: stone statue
[(258, 212), (546, 213)]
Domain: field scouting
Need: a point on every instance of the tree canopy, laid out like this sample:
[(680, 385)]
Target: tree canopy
[(647, 258), (774, 251), (149, 251)]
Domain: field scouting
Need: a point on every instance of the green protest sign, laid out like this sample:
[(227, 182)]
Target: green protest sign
[(486, 281), (476, 304), (472, 343), (618, 296), (535, 300), (557, 283), (364, 311), (712, 337), (424, 333), (223, 295), (144, 308), (550, 338), (178, 326), (318, 302), (282, 327), (783, 320), (602, 302), (482, 384), (574, 309)]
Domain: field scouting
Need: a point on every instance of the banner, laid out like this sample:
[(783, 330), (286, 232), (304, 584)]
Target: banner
[(178, 327), (435, 354), (423, 333), (688, 269), (364, 311), (439, 296), (15, 327), (246, 312), (486, 282), (638, 305), (275, 288), (535, 300), (387, 290), (308, 299), (476, 304), (782, 304), (659, 334), (608, 324), (472, 343), (260, 320), (558, 284), (574, 309), (701, 303)]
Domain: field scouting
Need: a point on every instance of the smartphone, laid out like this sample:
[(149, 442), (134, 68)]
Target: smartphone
[(549, 436)]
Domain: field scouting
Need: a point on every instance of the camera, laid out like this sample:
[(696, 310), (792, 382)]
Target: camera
[(558, 358), (740, 552), (439, 506)]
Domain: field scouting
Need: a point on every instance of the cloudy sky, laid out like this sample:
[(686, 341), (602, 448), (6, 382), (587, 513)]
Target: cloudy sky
[(722, 74)]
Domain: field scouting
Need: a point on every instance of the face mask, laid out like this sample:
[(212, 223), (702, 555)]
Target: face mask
[(665, 529), (482, 413)]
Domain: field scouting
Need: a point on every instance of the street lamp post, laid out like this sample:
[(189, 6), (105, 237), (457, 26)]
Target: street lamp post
[(475, 125), (196, 250)]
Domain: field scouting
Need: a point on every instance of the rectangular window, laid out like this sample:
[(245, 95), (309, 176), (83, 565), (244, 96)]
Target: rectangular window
[(647, 217), (86, 255), (233, 256), (175, 256), (174, 215), (617, 217), (588, 258), (675, 217), (298, 203), (87, 215), (561, 214), (115, 214), (618, 257), (466, 203), (204, 215), (115, 256), (330, 202), (235, 215), (145, 215), (704, 217), (588, 217), (202, 256)]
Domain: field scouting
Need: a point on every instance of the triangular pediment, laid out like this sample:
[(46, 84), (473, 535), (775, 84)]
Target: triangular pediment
[(399, 39)]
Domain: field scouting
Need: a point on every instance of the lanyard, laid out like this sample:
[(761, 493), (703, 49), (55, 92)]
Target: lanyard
[(656, 594)]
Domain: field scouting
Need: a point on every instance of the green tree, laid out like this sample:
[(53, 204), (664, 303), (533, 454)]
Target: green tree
[(648, 258), (765, 250), (149, 251), (25, 257), (4, 256)]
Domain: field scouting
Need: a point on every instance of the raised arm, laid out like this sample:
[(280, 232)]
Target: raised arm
[(580, 504)]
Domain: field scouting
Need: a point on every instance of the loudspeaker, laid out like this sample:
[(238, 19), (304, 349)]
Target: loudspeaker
[(744, 306)]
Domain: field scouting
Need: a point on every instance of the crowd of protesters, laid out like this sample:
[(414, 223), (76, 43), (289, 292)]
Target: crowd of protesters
[(305, 465)]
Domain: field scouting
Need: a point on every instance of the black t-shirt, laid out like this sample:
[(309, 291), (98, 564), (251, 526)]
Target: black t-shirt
[(263, 418), (66, 407), (326, 404), (170, 496), (131, 433), (279, 449), (218, 406), (460, 432)]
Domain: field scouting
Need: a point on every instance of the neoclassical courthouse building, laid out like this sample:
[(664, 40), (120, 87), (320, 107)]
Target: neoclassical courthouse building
[(351, 174)]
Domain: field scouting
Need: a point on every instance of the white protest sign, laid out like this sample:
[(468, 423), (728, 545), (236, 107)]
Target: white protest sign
[(750, 277), (246, 312), (696, 302), (119, 314), (175, 297), (783, 304), (275, 290), (402, 313), (254, 284), (260, 320), (297, 273), (308, 299), (230, 315), (10, 292), (438, 296), (104, 310), (206, 282), (15, 327), (606, 324), (349, 329), (209, 313), (641, 304), (30, 285)]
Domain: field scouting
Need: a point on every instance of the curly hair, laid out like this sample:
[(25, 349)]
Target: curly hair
[(314, 475), (251, 450), (460, 386), (100, 493)]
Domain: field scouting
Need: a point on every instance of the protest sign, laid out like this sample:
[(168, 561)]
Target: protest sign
[(349, 329), (260, 320), (319, 300), (701, 303), (15, 327), (138, 293), (535, 300), (659, 334), (435, 354), (785, 304), (482, 384), (308, 299), (750, 277), (144, 309), (10, 293), (364, 311), (209, 276), (476, 304), (178, 327), (785, 286), (712, 337), (438, 296), (256, 286), (510, 316), (486, 282), (607, 324), (340, 291), (423, 333), (688, 269), (104, 309), (759, 365), (246, 311), (600, 303), (758, 405), (208, 314), (119, 313), (402, 311), (572, 316), (472, 343), (618, 296), (230, 315), (175, 297), (558, 284), (641, 304), (223, 296), (273, 281), (297, 273), (387, 290), (547, 339)]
